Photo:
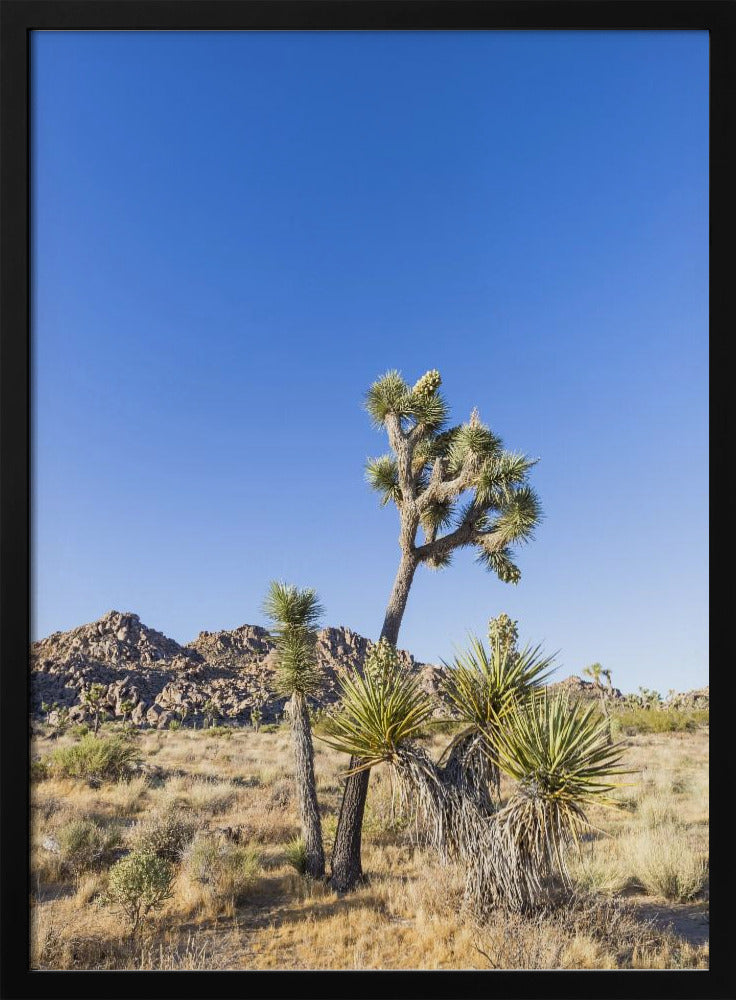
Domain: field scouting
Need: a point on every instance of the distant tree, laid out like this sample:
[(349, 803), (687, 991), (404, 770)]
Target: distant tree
[(126, 707), (295, 614), (211, 712), (594, 671), (464, 490), (92, 698)]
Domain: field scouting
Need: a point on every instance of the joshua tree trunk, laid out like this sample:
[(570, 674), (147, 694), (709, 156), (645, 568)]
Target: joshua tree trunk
[(306, 787), (347, 869)]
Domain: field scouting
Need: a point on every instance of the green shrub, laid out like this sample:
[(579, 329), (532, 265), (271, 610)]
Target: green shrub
[(165, 834), (296, 855), (138, 884), (658, 720), (225, 732), (270, 727), (85, 845), (39, 769), (110, 758), (79, 731), (226, 869), (174, 724)]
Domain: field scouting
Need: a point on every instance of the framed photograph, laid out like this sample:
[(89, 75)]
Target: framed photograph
[(360, 363)]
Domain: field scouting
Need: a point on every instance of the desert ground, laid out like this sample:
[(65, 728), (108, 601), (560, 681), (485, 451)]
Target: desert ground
[(239, 901)]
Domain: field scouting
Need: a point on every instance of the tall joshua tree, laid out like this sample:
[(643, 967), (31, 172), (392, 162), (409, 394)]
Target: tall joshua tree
[(295, 614), (463, 489)]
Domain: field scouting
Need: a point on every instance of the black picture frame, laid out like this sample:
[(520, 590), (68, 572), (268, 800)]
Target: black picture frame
[(18, 19)]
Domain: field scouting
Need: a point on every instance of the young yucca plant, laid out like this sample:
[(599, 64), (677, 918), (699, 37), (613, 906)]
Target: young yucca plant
[(560, 754), (482, 686)]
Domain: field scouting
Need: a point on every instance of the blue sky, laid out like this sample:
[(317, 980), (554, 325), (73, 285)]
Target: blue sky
[(235, 233)]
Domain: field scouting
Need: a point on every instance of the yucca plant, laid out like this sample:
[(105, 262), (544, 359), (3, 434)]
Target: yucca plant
[(482, 686), (382, 709), (383, 713), (295, 614), (560, 754)]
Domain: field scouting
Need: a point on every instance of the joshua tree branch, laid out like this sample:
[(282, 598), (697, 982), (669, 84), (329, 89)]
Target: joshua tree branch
[(466, 534)]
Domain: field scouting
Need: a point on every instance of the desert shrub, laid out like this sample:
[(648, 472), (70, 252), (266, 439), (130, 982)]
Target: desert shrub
[(225, 869), (109, 758), (633, 720), (657, 811), (666, 865), (85, 844), (138, 884), (270, 727), (174, 724), (39, 769), (296, 855), (211, 796), (165, 833), (599, 869), (80, 730), (281, 794), (224, 732)]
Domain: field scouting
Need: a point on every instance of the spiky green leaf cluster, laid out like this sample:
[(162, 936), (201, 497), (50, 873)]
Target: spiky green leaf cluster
[(383, 475), (388, 394), (483, 685), (559, 749), (429, 411), (472, 442), (295, 613), (382, 710), (499, 475), (391, 395), (499, 562)]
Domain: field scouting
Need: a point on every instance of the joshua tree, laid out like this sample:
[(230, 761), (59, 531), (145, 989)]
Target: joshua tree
[(256, 713), (463, 490), (594, 671), (295, 614), (126, 707), (92, 698), (211, 712)]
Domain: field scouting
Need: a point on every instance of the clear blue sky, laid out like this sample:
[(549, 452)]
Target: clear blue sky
[(235, 233)]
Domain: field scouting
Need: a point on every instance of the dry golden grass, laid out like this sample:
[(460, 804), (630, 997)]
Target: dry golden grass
[(251, 910)]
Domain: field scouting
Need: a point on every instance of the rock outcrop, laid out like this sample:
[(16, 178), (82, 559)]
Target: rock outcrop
[(576, 687), (153, 680)]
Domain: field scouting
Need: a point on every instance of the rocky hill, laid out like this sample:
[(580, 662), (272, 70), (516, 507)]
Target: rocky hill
[(232, 671), (225, 674)]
